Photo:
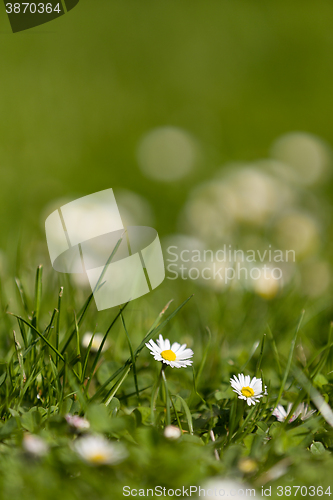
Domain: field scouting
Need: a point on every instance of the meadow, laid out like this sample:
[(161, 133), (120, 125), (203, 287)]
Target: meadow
[(212, 124)]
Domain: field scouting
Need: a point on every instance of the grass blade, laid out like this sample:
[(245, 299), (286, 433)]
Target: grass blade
[(38, 295), (167, 398), (99, 352), (290, 357), (57, 331), (132, 357), (40, 335)]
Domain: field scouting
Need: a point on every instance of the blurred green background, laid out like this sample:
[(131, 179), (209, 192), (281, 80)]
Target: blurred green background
[(78, 94)]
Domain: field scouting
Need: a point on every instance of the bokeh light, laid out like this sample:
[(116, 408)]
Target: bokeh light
[(299, 231), (307, 155), (167, 154), (134, 209)]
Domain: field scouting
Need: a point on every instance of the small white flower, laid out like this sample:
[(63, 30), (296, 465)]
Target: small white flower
[(35, 445), (250, 390), (97, 450), (175, 355), (77, 422), (302, 410), (172, 432), (97, 340)]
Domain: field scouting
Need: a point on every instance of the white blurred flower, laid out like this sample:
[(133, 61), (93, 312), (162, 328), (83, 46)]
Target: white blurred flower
[(35, 445), (97, 450), (267, 285), (172, 432), (175, 355), (247, 465), (297, 231), (302, 411), (259, 195), (97, 340), (250, 390), (167, 154), (239, 194), (307, 155), (77, 422), (134, 209), (209, 212)]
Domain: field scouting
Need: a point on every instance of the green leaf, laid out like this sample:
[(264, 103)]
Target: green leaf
[(228, 394), (99, 417), (317, 448), (189, 438), (31, 420), (3, 378), (320, 380), (145, 414), (187, 413), (8, 428)]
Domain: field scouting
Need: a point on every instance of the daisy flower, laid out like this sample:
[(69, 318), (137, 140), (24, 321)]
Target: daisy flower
[(302, 410), (97, 340), (172, 432), (97, 450), (77, 422), (175, 355), (35, 445), (250, 390)]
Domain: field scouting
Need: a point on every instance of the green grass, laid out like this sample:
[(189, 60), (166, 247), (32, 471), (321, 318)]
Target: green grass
[(46, 373), (77, 97)]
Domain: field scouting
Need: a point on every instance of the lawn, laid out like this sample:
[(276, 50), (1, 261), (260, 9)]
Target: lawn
[(211, 121)]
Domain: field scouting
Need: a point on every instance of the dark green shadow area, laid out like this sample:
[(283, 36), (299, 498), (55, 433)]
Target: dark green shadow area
[(70, 4)]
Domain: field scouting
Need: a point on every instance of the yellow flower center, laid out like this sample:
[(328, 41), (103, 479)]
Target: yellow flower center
[(95, 344), (247, 392), (98, 458), (168, 355)]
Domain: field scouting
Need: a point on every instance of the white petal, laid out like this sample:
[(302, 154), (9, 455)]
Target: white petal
[(181, 348), (188, 353), (257, 386), (160, 342), (151, 345), (166, 345), (235, 384), (175, 347), (176, 364)]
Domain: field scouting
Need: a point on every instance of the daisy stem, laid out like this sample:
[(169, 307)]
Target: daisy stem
[(154, 397), (176, 413), (167, 398), (240, 413)]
